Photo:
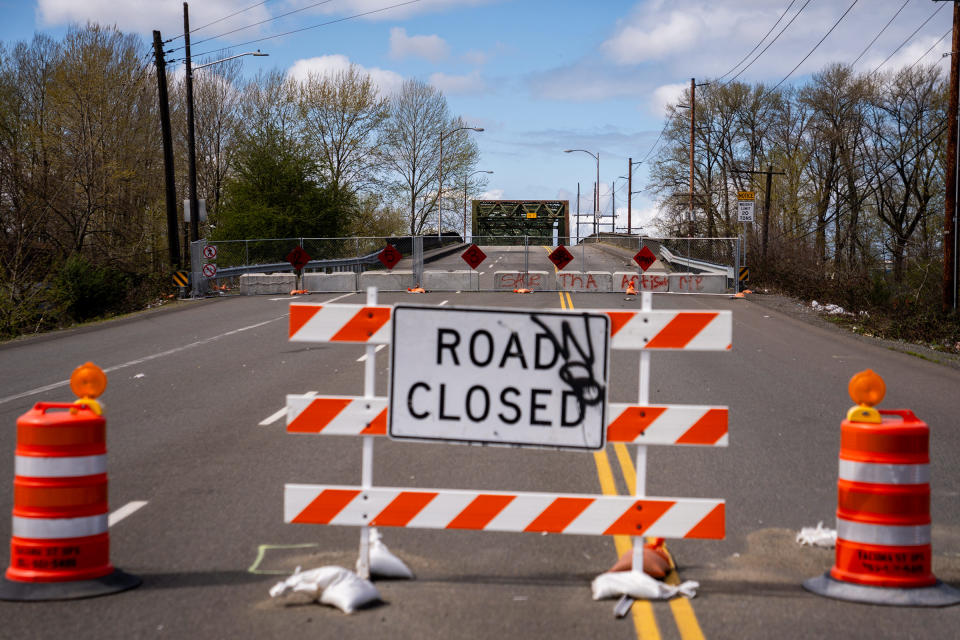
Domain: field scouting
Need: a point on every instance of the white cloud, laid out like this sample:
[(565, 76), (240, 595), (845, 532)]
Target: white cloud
[(386, 81), (638, 42), (664, 95), (471, 83), (144, 16), (492, 194), (433, 47)]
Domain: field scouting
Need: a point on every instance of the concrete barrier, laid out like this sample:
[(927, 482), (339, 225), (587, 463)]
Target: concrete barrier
[(252, 284), (460, 280), (656, 282), (396, 280), (697, 283), (590, 281), (534, 280), (344, 281)]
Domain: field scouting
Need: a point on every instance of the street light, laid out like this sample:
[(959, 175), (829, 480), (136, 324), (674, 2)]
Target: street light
[(465, 180), (440, 186), (596, 202), (191, 140)]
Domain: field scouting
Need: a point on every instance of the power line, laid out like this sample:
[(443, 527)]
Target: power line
[(889, 22), (840, 19), (785, 27), (253, 6), (945, 34), (761, 41), (257, 24), (315, 26), (910, 37)]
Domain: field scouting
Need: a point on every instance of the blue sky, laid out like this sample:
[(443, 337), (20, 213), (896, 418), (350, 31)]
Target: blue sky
[(540, 76)]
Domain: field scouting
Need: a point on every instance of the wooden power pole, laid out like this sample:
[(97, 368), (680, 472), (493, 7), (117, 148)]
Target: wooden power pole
[(951, 182)]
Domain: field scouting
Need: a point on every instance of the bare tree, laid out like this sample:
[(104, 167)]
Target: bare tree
[(216, 96), (342, 116), (418, 116)]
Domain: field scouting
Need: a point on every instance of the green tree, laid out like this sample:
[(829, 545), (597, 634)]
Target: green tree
[(275, 193)]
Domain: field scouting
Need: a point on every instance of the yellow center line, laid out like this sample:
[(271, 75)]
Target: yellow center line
[(644, 621), (682, 610)]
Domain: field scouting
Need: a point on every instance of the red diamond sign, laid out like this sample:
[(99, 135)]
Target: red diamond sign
[(473, 256), (389, 256), (560, 257), (298, 258), (645, 258)]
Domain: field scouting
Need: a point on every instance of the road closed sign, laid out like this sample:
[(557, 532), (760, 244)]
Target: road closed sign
[(526, 378)]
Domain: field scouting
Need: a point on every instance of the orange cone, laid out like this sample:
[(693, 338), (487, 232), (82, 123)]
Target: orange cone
[(60, 547), (883, 552), (522, 291), (631, 290), (416, 289)]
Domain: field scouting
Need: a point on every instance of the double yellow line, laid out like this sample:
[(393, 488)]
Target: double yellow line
[(642, 611)]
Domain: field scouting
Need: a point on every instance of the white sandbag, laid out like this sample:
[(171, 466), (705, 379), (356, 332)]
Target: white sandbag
[(332, 585), (818, 536), (384, 564), (348, 592), (306, 582), (639, 585)]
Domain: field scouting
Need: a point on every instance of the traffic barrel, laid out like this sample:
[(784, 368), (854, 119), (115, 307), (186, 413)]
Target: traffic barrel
[(60, 543), (883, 550)]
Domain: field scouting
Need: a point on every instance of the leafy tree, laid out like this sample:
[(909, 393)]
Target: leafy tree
[(275, 193)]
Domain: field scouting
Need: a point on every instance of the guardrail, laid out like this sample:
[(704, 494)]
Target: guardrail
[(692, 263)]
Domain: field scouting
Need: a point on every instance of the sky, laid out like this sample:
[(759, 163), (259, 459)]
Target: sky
[(540, 76)]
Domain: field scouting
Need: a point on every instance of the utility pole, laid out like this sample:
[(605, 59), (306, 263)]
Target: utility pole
[(578, 213), (952, 180), (765, 223), (629, 192), (191, 140), (173, 240), (693, 115), (596, 207)]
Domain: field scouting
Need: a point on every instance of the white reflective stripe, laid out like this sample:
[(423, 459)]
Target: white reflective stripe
[(33, 467), (884, 473), (893, 535), (48, 528)]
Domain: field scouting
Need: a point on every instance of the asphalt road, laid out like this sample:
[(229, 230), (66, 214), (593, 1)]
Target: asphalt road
[(191, 393)]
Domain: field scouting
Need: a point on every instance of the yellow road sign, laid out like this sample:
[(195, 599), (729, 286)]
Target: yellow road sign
[(746, 195), (181, 278)]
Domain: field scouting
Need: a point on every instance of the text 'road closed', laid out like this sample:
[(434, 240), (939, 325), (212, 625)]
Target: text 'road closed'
[(522, 378)]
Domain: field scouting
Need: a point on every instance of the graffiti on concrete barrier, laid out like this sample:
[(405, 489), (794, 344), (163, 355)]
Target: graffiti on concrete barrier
[(646, 282)]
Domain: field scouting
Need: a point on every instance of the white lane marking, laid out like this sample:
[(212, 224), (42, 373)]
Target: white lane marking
[(124, 511), (363, 358), (326, 302), (168, 352), (439, 305), (282, 412)]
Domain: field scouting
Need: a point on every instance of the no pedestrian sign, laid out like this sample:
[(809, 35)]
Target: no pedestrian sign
[(526, 378)]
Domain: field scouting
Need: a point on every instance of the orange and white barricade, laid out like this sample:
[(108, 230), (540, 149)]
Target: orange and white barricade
[(60, 547), (640, 424), (883, 551)]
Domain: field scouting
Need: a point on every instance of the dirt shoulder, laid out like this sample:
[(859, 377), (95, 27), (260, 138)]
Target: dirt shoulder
[(805, 312)]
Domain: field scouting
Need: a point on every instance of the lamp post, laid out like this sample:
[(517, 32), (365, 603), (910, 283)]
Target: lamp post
[(191, 143), (440, 185), (596, 197), (465, 181)]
